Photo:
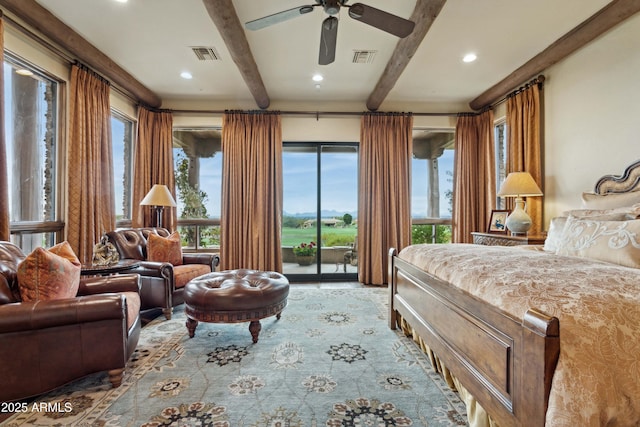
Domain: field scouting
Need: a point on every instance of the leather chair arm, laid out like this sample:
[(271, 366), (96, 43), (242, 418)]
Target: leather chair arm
[(209, 259), (155, 269), (29, 316), (106, 284)]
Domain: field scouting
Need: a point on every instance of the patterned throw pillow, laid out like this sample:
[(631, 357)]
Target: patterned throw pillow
[(617, 242), (48, 274), (165, 249)]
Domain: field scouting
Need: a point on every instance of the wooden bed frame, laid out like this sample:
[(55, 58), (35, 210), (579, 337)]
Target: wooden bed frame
[(506, 363)]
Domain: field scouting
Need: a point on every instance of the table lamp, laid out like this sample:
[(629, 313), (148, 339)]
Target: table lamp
[(159, 196), (519, 185)]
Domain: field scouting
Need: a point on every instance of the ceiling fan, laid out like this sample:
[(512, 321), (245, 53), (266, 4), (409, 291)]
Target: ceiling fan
[(329, 31)]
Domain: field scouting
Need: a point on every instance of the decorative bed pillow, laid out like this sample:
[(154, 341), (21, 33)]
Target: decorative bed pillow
[(617, 242), (554, 235), (616, 214), (49, 274), (610, 201), (165, 249)]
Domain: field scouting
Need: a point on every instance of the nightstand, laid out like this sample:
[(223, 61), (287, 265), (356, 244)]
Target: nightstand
[(494, 239)]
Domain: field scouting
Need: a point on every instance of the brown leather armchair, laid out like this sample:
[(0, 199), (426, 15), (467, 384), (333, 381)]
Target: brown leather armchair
[(46, 344), (162, 283)]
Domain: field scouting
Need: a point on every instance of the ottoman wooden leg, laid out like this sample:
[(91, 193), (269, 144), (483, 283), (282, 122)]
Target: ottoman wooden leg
[(278, 315), (254, 328), (191, 326)]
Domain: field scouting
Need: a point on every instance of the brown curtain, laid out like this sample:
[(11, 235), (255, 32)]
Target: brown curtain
[(251, 191), (153, 165), (4, 182), (384, 200), (474, 184), (524, 146), (91, 205)]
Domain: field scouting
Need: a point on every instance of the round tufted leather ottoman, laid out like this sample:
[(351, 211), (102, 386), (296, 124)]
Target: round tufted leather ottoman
[(235, 296)]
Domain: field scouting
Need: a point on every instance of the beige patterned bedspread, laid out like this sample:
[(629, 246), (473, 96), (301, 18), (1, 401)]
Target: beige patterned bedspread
[(597, 380)]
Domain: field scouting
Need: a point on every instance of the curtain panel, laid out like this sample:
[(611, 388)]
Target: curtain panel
[(524, 119), (384, 196), (91, 205), (474, 183), (153, 164), (250, 229), (5, 233)]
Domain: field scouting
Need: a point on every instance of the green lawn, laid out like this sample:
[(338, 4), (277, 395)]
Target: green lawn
[(331, 236)]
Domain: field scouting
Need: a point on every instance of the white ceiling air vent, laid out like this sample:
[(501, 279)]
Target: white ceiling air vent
[(205, 53), (364, 56)]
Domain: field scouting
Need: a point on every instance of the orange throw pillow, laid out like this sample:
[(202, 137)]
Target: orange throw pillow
[(165, 249), (48, 274)]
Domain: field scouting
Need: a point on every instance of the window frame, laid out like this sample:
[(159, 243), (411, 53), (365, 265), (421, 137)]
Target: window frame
[(126, 220), (52, 229)]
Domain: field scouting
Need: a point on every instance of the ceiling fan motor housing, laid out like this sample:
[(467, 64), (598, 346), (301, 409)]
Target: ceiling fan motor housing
[(332, 7)]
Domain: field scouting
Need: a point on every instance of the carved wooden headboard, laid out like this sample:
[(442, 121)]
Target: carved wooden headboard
[(628, 181)]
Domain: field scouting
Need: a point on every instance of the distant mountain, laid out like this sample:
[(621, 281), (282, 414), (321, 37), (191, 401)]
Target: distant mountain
[(323, 214)]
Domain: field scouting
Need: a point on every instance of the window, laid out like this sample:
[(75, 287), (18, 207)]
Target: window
[(432, 186), (500, 137), (197, 158), (31, 125), (122, 146)]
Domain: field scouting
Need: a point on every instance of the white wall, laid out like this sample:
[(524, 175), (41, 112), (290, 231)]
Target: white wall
[(592, 116)]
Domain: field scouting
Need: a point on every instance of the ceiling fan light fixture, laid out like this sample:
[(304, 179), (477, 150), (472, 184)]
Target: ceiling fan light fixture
[(317, 78), (332, 7)]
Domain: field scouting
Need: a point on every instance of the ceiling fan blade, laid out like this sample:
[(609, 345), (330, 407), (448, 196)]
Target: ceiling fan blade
[(328, 38), (382, 20), (285, 15)]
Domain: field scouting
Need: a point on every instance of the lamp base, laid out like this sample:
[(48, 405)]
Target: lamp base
[(157, 213), (518, 222)]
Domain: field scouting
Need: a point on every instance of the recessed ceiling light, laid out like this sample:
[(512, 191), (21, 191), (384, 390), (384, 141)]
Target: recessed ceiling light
[(318, 86), (317, 78), (24, 72), (470, 57), (186, 75), (122, 1)]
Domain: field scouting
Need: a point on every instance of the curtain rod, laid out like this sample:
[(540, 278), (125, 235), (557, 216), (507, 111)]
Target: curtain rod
[(315, 114), (537, 80)]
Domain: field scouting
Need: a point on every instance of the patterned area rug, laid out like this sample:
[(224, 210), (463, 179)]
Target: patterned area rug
[(329, 361)]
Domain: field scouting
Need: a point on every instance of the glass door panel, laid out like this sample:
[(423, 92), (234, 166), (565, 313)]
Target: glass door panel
[(339, 208), (320, 208), (299, 222)]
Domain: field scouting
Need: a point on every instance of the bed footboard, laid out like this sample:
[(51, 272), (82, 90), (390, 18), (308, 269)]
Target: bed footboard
[(506, 363)]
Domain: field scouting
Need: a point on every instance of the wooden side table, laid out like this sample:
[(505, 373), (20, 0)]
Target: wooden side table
[(495, 239)]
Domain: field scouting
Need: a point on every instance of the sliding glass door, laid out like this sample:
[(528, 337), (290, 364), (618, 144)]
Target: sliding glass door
[(319, 224)]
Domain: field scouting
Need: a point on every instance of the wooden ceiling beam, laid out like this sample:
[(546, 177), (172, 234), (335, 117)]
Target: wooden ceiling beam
[(424, 13), (64, 36), (601, 22), (224, 16)]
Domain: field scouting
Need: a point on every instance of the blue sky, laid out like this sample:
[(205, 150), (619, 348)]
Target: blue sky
[(339, 178)]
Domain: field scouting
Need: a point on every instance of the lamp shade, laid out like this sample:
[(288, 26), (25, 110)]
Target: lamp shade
[(519, 184), (159, 195)]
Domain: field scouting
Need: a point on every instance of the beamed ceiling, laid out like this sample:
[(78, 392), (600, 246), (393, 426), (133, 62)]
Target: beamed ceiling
[(143, 46)]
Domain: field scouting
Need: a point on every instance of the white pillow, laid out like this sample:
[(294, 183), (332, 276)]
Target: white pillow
[(617, 242), (554, 234), (610, 201), (617, 214)]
